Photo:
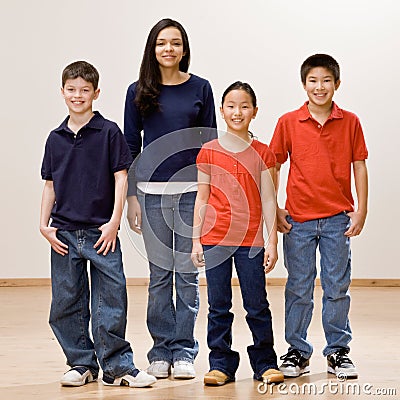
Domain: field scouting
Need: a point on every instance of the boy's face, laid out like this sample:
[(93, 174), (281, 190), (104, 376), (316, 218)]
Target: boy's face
[(320, 86), (79, 95)]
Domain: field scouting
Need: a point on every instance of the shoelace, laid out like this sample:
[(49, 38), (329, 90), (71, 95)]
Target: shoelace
[(291, 356), (342, 358)]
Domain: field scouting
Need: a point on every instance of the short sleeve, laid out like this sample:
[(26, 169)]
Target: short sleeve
[(203, 161), (46, 171), (280, 142), (268, 157), (360, 151), (120, 156)]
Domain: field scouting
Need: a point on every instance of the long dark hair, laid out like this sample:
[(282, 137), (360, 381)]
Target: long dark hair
[(148, 86)]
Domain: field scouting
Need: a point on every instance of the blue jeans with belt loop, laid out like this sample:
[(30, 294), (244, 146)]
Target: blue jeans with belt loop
[(71, 312), (250, 271), (167, 222), (300, 246)]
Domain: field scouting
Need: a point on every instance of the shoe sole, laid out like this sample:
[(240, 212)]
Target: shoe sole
[(346, 375), (294, 374), (184, 376), (273, 379), (133, 385), (212, 381), (76, 384)]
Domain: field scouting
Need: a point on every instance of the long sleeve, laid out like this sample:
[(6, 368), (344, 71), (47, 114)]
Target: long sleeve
[(133, 124), (207, 116)]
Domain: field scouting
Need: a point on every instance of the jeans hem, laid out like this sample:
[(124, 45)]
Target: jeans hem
[(128, 372), (337, 348), (166, 359), (190, 360), (307, 356), (258, 376)]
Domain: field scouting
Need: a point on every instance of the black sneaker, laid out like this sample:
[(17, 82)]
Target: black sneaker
[(340, 364), (294, 364)]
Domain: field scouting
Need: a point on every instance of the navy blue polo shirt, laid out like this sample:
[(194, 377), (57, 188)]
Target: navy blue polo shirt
[(82, 169)]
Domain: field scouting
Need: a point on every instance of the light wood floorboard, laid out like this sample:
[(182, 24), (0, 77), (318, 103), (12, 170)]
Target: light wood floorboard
[(31, 362)]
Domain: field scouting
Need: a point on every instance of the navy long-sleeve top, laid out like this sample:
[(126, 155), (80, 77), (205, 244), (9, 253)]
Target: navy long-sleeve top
[(172, 136)]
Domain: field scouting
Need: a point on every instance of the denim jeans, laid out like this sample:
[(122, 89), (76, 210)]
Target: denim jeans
[(70, 312), (250, 271), (300, 246), (167, 232)]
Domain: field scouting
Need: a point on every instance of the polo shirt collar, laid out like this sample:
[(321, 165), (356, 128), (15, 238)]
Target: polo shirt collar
[(304, 114), (96, 122)]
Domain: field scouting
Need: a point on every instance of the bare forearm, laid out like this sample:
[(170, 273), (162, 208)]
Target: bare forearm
[(361, 184), (268, 202), (198, 217), (48, 200), (120, 195)]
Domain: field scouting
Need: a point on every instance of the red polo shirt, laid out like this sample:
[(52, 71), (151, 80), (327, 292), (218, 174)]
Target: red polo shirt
[(319, 181), (234, 213)]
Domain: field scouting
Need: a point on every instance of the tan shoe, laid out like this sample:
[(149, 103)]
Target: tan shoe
[(216, 378), (273, 376)]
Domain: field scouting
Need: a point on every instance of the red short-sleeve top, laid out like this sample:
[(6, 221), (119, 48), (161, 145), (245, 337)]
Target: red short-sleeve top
[(319, 181), (234, 213)]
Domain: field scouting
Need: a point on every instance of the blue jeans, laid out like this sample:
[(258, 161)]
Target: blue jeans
[(250, 271), (300, 246), (167, 232), (70, 312)]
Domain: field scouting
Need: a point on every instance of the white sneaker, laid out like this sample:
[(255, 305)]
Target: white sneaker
[(184, 370), (142, 379), (77, 376), (159, 369)]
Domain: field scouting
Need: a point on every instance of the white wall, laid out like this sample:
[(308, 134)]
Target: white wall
[(262, 42)]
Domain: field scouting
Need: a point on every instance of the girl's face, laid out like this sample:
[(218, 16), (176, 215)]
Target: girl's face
[(169, 48), (238, 111)]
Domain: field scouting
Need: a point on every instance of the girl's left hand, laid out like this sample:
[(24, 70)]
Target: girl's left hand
[(270, 257), (198, 255)]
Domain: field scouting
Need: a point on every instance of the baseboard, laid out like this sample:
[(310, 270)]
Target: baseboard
[(367, 282)]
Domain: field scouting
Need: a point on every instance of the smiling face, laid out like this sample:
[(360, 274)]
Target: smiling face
[(169, 48), (320, 86), (79, 95), (238, 111)]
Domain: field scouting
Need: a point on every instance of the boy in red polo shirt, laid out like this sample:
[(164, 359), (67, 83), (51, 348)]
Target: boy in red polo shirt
[(323, 143)]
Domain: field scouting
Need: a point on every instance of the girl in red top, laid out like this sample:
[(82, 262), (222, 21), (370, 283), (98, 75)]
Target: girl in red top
[(235, 195)]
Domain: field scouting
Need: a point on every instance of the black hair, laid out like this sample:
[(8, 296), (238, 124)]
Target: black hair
[(81, 69), (238, 85), (319, 60), (148, 86)]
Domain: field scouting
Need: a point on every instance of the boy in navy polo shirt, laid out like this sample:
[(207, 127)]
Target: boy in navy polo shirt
[(85, 168)]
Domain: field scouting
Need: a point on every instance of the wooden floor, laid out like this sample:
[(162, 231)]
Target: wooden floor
[(31, 362)]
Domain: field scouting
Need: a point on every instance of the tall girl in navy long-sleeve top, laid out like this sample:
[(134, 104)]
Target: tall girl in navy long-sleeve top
[(174, 112)]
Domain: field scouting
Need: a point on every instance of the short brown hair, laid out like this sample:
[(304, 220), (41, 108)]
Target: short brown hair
[(81, 69)]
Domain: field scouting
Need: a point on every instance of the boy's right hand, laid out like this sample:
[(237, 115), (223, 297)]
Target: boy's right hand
[(134, 214), (57, 245), (282, 225), (198, 255)]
